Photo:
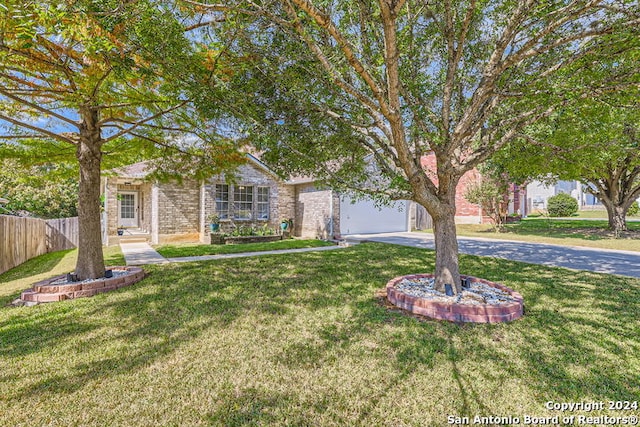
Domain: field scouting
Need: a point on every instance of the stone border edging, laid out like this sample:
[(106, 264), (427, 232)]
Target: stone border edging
[(44, 291), (481, 313)]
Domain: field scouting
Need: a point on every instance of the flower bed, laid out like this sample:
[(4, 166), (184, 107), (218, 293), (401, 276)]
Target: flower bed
[(220, 239)]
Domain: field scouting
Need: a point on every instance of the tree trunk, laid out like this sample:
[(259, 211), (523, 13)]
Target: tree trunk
[(617, 218), (446, 242), (90, 263)]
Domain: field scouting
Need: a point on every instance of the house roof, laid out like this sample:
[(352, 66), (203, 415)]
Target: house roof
[(136, 170), (141, 170), (301, 180)]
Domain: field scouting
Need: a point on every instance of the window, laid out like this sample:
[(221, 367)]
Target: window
[(262, 205), (222, 201), (127, 206), (242, 202)]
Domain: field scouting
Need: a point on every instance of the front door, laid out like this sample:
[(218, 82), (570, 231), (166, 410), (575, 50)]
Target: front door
[(128, 209)]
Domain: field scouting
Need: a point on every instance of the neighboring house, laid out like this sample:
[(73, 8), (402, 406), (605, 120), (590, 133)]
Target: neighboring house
[(471, 213), (538, 193), (171, 211)]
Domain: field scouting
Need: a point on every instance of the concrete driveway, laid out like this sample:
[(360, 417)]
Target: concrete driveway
[(624, 263)]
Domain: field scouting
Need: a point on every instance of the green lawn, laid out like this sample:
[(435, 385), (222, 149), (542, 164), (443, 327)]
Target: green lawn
[(195, 249), (301, 339), (568, 232)]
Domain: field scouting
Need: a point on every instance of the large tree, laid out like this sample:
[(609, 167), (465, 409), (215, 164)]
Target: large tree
[(596, 142), (92, 77), (339, 88)]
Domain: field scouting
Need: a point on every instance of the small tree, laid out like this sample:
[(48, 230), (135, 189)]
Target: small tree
[(562, 205), (490, 196), (634, 209), (46, 192)]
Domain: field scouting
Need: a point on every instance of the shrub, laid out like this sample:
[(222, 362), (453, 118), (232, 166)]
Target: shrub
[(634, 209), (562, 205), (490, 196)]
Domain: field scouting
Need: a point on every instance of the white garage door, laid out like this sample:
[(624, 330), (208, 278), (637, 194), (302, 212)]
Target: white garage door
[(363, 217)]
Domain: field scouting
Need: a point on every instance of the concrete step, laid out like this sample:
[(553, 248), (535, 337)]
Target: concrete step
[(116, 240), (134, 239)]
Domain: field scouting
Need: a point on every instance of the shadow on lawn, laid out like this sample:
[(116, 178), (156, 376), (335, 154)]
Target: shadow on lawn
[(577, 330)]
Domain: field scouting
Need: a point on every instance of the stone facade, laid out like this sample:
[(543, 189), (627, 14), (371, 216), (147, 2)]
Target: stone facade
[(317, 212), (178, 209), (111, 189), (281, 199), (110, 192)]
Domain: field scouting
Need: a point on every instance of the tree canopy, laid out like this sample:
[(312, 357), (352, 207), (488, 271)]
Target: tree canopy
[(330, 88), (596, 143)]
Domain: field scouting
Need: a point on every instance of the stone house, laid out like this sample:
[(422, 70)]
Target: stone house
[(162, 212)]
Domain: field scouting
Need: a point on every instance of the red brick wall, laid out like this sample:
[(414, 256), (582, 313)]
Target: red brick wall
[(463, 207)]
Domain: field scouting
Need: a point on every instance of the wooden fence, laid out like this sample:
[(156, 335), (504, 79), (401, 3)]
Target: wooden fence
[(24, 238)]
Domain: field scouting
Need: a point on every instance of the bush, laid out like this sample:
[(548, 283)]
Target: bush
[(634, 209), (562, 205)]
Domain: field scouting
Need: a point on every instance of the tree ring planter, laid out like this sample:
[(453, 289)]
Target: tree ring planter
[(57, 289), (454, 311), (218, 239)]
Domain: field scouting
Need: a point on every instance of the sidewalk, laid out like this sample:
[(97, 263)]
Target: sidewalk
[(142, 253)]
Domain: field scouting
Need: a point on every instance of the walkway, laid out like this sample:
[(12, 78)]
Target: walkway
[(624, 263), (139, 253)]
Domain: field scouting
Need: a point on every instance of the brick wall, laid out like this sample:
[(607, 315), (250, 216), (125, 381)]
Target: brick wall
[(145, 206), (313, 212), (111, 205), (178, 208), (286, 202), (466, 212)]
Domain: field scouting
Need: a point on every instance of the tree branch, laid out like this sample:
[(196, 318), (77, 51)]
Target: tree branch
[(38, 108), (40, 130), (324, 21), (143, 121)]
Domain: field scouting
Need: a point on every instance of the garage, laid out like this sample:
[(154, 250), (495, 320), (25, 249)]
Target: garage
[(363, 217)]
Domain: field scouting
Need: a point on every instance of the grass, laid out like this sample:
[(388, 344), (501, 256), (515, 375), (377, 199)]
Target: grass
[(22, 277), (301, 339), (567, 232), (184, 250)]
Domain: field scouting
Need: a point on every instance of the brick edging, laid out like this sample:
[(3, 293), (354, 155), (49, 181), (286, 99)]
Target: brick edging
[(44, 291), (480, 313)]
